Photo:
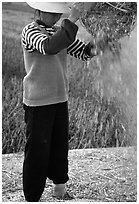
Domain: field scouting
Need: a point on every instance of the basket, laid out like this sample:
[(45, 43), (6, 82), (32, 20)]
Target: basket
[(109, 22)]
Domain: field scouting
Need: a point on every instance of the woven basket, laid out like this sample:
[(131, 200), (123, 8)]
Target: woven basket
[(109, 22)]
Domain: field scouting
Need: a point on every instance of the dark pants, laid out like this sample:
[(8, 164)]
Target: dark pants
[(46, 151)]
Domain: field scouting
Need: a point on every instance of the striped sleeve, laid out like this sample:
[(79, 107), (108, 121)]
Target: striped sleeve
[(77, 49), (32, 38)]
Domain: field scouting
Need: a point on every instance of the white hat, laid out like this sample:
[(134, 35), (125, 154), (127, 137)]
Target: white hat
[(52, 7)]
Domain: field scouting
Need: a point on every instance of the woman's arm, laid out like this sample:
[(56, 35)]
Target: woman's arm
[(82, 51), (33, 39)]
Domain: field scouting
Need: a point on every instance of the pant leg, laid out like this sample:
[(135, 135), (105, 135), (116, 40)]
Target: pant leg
[(39, 124), (58, 163)]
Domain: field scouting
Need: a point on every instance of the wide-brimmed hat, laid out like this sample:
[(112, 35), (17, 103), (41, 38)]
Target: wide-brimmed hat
[(52, 7)]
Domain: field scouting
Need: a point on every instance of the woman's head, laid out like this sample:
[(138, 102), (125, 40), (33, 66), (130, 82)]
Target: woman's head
[(49, 12), (52, 7), (48, 18)]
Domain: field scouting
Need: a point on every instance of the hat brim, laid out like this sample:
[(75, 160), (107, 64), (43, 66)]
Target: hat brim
[(52, 7)]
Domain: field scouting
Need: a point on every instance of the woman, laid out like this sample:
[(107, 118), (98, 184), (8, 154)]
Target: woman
[(45, 96)]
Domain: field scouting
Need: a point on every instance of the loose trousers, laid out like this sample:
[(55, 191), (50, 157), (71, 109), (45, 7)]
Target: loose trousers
[(46, 150)]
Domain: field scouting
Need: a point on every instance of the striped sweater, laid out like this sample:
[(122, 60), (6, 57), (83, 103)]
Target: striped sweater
[(45, 58)]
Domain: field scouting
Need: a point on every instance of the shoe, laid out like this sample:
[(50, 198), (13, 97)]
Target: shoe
[(66, 196)]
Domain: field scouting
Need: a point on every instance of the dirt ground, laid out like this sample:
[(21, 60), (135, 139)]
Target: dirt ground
[(96, 175)]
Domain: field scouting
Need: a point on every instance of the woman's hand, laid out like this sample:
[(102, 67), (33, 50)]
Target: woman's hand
[(76, 10), (94, 49)]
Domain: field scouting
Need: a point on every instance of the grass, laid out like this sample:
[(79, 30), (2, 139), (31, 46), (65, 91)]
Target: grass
[(95, 120)]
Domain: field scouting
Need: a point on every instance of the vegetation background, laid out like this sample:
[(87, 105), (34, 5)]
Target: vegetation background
[(102, 95)]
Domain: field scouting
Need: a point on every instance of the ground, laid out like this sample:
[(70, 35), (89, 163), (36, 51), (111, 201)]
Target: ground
[(96, 175)]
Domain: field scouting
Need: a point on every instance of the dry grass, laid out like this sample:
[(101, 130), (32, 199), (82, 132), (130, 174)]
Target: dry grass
[(96, 175), (108, 22)]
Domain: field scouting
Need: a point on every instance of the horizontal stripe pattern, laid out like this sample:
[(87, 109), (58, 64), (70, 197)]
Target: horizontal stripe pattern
[(76, 49), (33, 38)]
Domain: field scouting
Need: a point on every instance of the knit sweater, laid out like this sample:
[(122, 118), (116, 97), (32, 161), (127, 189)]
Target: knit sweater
[(45, 57)]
